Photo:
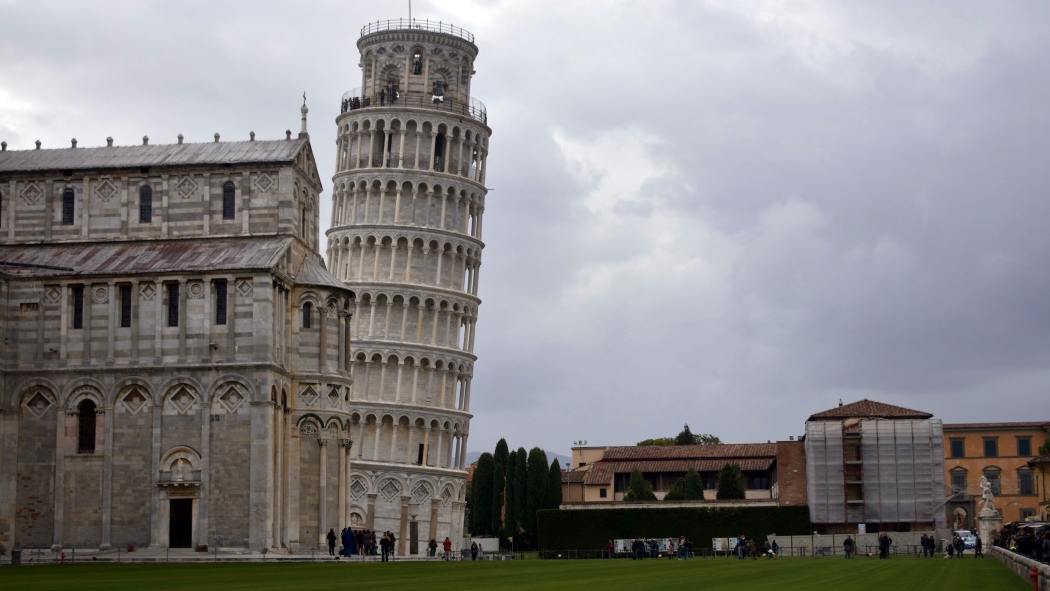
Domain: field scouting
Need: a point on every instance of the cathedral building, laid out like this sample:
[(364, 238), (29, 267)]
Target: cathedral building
[(409, 197), (175, 368)]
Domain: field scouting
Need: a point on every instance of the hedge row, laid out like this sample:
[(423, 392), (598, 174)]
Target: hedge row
[(586, 529)]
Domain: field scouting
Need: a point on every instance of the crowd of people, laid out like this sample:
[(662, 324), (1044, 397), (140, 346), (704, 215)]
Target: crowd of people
[(361, 542), (680, 548), (1026, 541)]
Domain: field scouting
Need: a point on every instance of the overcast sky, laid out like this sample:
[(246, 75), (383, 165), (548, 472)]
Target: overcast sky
[(730, 214)]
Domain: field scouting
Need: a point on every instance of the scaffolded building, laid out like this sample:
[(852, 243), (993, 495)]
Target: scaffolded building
[(875, 464)]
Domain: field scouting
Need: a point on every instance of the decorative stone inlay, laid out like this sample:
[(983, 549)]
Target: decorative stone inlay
[(105, 189), (186, 187), (133, 401), (333, 396), (195, 290), (446, 495), (183, 400), (422, 491), (31, 193), (53, 295), (244, 287), (308, 429), (148, 291), (232, 398), (308, 395), (264, 182), (390, 490), (100, 295), (38, 405), (357, 489)]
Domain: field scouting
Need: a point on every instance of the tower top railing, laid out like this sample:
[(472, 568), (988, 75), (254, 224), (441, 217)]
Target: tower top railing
[(418, 25), (354, 99)]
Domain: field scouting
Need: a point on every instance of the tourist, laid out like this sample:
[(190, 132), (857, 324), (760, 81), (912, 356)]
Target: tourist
[(331, 542), (432, 546), (448, 548), (977, 548), (384, 548), (847, 547), (473, 550)]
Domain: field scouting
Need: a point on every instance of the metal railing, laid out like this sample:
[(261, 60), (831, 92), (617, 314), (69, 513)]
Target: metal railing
[(475, 109), (418, 25)]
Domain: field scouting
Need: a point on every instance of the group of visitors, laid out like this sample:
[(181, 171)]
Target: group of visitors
[(364, 543), (928, 545), (447, 547), (748, 548), (1026, 541), (884, 545)]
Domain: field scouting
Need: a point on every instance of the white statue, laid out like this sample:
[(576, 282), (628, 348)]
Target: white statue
[(987, 498), (181, 470)]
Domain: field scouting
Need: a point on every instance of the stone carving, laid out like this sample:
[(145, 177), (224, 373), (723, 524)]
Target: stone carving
[(308, 395), (38, 404), (186, 187), (180, 470), (148, 291), (195, 290), (987, 498), (422, 491), (264, 182), (105, 189), (31, 193), (100, 295)]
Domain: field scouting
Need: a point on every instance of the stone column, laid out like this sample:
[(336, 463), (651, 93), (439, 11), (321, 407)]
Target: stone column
[(370, 517), (261, 484), (322, 494), (107, 479), (435, 504), (403, 531), (344, 473)]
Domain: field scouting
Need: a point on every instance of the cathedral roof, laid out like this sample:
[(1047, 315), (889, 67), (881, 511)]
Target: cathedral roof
[(869, 409), (151, 155), (152, 257)]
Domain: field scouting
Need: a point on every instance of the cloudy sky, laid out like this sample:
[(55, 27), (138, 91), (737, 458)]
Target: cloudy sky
[(730, 214)]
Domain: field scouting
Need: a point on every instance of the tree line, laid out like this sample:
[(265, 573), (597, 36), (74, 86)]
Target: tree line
[(508, 488)]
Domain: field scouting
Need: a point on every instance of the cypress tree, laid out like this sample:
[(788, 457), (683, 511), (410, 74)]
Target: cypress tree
[(639, 489), (677, 491), (731, 482), (481, 483), (498, 485), (537, 484), (693, 486), (520, 496), (510, 517), (554, 481)]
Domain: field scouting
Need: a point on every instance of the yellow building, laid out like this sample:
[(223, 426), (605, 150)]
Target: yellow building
[(1041, 466), (1000, 452)]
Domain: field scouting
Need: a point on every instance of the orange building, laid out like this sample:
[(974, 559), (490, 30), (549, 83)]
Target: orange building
[(1000, 452), (1041, 466)]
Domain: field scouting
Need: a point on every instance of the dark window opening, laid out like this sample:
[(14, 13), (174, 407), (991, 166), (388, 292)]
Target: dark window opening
[(603, 493), (220, 301), (439, 153), (992, 475), (1, 207), (68, 209), (958, 448), (308, 309), (1024, 446), (991, 448), (302, 221), (959, 484), (145, 205), (86, 427), (417, 62), (1025, 482), (125, 306), (173, 304), (229, 201), (419, 456), (78, 306)]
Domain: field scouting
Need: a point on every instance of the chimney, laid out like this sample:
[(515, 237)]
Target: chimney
[(38, 144), (3, 146), (251, 135), (180, 139), (216, 137), (74, 142), (109, 142), (145, 140), (287, 134)]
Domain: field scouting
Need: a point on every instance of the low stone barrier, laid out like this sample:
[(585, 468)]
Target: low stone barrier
[(1023, 567)]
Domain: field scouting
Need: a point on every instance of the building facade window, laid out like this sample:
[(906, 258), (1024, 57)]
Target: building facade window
[(308, 310), (78, 307), (1025, 482), (1026, 513), (220, 301), (173, 304), (145, 205), (229, 201), (959, 480), (958, 447), (86, 427), (603, 493), (1024, 446), (992, 474), (125, 306), (68, 207), (991, 447)]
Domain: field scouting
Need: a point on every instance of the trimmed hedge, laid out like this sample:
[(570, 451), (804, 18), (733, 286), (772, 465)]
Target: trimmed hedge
[(587, 529)]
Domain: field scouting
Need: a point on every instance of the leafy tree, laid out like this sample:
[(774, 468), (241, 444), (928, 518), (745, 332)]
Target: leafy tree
[(677, 491), (554, 481), (706, 439), (481, 509), (693, 486), (657, 441), (1045, 447), (520, 496), (538, 485), (510, 513), (639, 489), (730, 482), (499, 484), (685, 437)]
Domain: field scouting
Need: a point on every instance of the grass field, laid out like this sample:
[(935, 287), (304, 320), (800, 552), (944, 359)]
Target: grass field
[(711, 574)]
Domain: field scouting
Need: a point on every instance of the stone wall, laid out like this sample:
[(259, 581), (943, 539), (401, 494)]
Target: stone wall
[(1023, 566)]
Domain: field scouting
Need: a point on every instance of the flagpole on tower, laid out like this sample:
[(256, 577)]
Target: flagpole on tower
[(410, 13)]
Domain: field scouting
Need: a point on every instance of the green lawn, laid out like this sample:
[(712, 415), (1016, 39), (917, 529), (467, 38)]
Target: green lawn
[(708, 574)]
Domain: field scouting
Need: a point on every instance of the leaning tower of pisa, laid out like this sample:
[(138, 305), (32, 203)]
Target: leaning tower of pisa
[(409, 194)]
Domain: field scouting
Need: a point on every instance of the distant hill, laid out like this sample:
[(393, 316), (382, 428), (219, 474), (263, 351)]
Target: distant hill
[(565, 461)]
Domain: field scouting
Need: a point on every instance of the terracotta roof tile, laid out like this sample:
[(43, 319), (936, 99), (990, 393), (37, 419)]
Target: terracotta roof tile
[(1045, 459), (869, 409), (573, 476), (678, 452)]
